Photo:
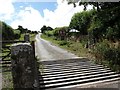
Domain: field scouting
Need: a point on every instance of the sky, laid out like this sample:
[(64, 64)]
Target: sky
[(33, 14)]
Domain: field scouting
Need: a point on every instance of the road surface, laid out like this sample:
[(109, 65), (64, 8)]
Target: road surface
[(46, 51)]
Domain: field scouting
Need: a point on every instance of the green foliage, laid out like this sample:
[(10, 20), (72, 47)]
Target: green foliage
[(65, 43), (7, 31), (99, 5), (105, 24), (107, 55), (23, 30), (17, 34), (33, 32), (101, 47), (112, 55), (57, 33), (81, 21), (71, 46), (101, 27), (110, 33), (113, 33), (49, 33), (7, 82), (45, 28), (96, 28)]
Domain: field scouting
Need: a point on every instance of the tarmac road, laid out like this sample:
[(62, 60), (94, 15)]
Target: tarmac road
[(46, 51)]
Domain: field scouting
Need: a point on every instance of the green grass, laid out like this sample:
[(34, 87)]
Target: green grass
[(32, 37), (75, 47), (56, 42), (21, 37), (7, 83)]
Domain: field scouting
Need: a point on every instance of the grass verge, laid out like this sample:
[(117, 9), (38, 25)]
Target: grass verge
[(74, 47), (7, 83)]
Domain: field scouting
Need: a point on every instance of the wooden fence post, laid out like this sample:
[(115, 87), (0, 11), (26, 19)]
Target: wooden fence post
[(23, 67)]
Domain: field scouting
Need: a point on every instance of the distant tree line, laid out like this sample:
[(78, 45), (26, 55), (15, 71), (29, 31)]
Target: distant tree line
[(98, 24), (8, 33), (46, 28)]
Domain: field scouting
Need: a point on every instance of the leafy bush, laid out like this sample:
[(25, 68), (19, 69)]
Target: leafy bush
[(49, 33), (7, 31), (62, 43), (81, 21), (107, 55), (105, 24), (17, 34), (113, 33), (56, 33), (96, 28)]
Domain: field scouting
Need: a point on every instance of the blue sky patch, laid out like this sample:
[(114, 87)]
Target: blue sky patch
[(40, 6)]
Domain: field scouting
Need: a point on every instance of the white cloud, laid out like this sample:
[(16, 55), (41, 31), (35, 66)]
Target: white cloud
[(6, 9), (62, 15), (31, 18), (21, 6), (28, 18)]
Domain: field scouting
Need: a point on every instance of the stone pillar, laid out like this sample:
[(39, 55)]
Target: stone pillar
[(23, 67), (27, 38)]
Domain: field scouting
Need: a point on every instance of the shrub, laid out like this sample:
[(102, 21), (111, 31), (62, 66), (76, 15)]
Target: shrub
[(113, 33), (81, 21), (49, 33), (7, 31), (17, 34), (107, 55), (63, 43)]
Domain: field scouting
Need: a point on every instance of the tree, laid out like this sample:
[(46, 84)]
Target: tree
[(17, 34), (45, 28), (60, 33), (49, 28), (7, 31), (83, 2), (21, 29), (81, 21), (99, 5)]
